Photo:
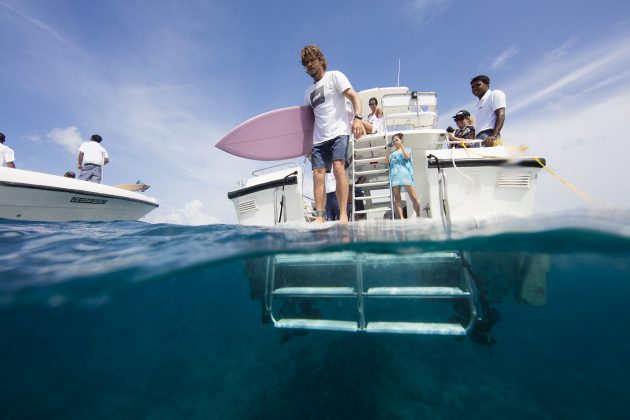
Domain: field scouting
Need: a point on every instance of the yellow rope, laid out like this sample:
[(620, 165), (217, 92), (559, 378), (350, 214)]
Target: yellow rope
[(522, 148)]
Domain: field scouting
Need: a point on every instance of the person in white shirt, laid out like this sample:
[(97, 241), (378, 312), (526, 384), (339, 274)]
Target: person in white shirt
[(332, 205), (374, 123), (490, 114), (327, 98), (92, 157), (7, 157)]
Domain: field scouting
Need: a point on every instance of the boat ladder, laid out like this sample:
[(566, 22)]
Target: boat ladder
[(430, 293), (375, 192)]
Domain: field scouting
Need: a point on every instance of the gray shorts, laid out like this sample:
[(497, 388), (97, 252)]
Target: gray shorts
[(91, 172)]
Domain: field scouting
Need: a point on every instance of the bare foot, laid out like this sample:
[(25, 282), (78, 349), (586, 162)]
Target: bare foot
[(343, 220), (320, 220)]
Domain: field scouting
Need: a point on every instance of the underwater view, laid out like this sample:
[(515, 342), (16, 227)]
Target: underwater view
[(154, 321)]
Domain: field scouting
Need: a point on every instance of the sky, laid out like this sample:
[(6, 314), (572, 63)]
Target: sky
[(162, 82)]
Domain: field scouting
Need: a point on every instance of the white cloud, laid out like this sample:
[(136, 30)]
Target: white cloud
[(193, 214), (572, 77), (424, 11), (579, 142), (42, 26), (69, 138), (503, 58), (557, 54)]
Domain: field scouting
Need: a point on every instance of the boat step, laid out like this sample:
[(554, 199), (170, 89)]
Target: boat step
[(370, 161), (368, 148), (317, 324), (383, 171), (372, 197), (415, 328), (373, 210), (314, 259), (315, 291), (432, 291), (375, 184)]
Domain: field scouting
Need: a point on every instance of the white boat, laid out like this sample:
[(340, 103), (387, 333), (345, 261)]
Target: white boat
[(36, 196), (457, 186)]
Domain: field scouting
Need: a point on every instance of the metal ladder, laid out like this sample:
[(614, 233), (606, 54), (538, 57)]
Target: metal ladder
[(369, 154), (365, 292)]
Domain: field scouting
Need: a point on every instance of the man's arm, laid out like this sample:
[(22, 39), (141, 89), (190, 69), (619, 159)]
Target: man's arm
[(80, 160), (498, 124), (357, 125)]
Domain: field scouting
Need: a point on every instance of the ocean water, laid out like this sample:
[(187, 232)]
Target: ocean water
[(130, 320)]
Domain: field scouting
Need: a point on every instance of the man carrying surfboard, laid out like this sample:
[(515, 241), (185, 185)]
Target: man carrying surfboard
[(327, 98)]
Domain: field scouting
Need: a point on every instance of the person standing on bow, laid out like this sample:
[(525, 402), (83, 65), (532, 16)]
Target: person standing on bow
[(92, 157), (327, 98), (490, 114), (7, 156), (401, 174)]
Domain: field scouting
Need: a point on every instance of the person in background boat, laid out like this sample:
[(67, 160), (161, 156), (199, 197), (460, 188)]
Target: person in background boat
[(465, 129), (490, 114), (92, 158), (401, 174), (332, 205), (374, 123), (69, 174), (327, 98), (7, 156)]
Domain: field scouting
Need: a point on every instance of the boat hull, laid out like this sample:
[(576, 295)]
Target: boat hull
[(33, 196)]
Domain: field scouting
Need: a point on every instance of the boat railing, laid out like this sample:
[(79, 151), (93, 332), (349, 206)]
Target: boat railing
[(466, 142), (411, 109), (269, 169)]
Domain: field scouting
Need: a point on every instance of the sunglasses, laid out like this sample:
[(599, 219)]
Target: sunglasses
[(372, 104), (459, 118)]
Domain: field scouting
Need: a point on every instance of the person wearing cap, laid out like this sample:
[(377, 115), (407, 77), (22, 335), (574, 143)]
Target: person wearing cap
[(92, 157), (465, 130), (7, 156), (490, 114)]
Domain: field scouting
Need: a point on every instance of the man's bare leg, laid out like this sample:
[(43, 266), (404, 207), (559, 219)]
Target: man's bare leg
[(342, 189), (320, 194)]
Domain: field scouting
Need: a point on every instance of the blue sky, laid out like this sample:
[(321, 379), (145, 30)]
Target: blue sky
[(163, 81)]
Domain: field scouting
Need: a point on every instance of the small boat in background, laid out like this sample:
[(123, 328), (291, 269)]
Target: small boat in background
[(36, 196)]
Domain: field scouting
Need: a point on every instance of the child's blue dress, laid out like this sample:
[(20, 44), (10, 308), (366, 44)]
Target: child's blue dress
[(401, 169)]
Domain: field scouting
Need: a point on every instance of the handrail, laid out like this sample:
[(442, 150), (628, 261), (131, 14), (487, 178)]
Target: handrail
[(288, 164)]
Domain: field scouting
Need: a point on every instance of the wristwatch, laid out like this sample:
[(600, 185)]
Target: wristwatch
[(358, 117)]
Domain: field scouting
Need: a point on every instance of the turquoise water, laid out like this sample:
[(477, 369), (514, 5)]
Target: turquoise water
[(132, 320)]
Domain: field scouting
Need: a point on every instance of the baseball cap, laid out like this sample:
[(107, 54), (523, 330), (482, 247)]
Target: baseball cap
[(462, 114)]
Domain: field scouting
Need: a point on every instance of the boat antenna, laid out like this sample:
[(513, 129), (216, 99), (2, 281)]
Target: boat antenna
[(398, 77)]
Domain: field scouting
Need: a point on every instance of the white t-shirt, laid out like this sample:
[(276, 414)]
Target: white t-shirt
[(331, 182), (93, 153), (490, 102), (377, 124), (6, 155), (326, 99)]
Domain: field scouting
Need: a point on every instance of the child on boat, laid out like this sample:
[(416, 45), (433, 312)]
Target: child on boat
[(401, 174)]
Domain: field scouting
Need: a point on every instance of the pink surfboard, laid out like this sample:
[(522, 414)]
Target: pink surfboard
[(275, 135)]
